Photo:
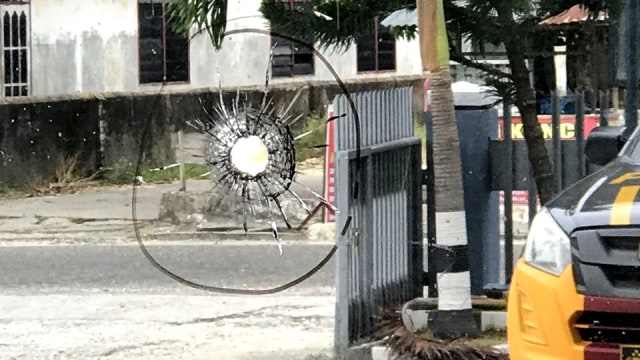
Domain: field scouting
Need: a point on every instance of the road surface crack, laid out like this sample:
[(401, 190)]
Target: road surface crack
[(232, 316), (123, 348)]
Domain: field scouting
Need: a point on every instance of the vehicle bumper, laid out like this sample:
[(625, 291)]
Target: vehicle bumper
[(543, 312)]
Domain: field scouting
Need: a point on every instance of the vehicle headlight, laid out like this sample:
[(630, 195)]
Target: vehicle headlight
[(547, 246)]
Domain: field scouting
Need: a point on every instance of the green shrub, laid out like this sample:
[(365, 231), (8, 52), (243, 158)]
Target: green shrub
[(316, 126), (124, 172)]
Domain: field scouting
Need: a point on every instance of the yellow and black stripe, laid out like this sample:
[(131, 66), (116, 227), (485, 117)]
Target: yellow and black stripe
[(622, 207)]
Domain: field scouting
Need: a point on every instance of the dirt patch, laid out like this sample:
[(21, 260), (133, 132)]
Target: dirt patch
[(486, 339), (311, 164)]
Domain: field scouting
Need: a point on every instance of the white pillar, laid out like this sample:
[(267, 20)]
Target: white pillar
[(560, 64)]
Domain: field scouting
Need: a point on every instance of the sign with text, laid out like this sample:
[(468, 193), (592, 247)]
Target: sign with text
[(567, 127)]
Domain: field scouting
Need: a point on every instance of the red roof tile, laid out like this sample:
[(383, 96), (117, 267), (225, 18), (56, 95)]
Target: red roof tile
[(576, 14)]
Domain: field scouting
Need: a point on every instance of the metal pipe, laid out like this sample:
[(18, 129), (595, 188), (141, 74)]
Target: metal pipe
[(432, 269), (557, 151), (604, 108), (508, 193), (580, 134), (630, 101), (533, 196), (183, 179)]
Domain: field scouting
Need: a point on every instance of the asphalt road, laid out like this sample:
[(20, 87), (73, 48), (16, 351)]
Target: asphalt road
[(93, 301), (126, 268), (106, 301)]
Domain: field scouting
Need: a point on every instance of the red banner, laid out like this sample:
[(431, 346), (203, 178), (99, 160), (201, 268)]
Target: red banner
[(520, 197), (567, 132), (330, 167), (567, 126)]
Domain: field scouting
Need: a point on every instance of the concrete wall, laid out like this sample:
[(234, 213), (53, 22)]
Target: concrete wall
[(92, 46), (36, 133)]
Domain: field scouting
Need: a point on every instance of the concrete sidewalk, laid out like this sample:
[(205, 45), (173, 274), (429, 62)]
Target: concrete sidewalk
[(115, 202), (103, 213)]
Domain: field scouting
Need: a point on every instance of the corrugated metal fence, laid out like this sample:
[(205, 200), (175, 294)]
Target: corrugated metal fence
[(379, 259)]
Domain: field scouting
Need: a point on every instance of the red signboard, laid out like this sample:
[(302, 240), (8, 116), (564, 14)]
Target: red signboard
[(567, 132), (330, 167), (520, 197), (567, 126)]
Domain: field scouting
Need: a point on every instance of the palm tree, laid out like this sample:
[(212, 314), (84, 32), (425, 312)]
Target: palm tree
[(454, 297)]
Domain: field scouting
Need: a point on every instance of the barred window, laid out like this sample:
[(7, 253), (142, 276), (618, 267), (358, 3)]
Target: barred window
[(163, 53), (291, 58), (15, 48), (376, 52)]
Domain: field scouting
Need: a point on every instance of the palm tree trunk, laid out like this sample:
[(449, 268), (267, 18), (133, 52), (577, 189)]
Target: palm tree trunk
[(454, 317), (526, 103)]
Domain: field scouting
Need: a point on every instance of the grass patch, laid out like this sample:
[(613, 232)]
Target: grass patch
[(121, 173), (420, 131), (487, 338), (124, 172), (315, 128), (191, 171)]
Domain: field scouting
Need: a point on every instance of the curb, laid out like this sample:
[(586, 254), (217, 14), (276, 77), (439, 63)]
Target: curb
[(486, 320), (128, 236), (493, 320), (222, 235)]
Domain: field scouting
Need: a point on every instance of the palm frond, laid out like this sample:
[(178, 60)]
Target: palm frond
[(406, 345), (208, 16), (503, 88), (343, 22)]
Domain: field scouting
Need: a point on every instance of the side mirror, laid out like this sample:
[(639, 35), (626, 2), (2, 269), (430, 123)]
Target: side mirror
[(604, 143)]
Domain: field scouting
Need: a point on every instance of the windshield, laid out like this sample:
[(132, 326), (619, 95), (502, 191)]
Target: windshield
[(631, 151)]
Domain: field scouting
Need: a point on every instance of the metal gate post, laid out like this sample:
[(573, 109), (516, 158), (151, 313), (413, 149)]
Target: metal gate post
[(343, 256)]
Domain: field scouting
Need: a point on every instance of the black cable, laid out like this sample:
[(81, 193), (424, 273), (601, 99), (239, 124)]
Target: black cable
[(312, 271)]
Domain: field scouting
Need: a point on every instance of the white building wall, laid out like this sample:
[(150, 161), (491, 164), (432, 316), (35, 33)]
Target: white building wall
[(242, 61), (83, 46), (92, 46)]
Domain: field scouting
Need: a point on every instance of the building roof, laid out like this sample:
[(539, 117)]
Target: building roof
[(575, 14)]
